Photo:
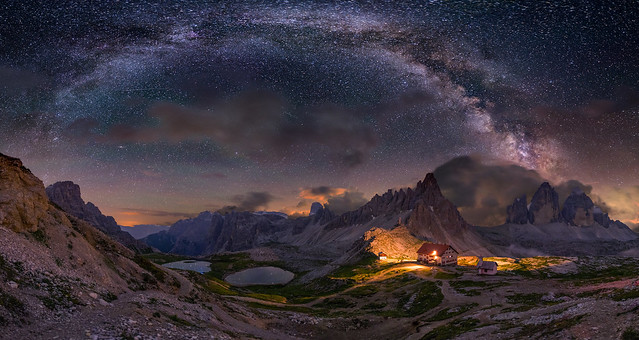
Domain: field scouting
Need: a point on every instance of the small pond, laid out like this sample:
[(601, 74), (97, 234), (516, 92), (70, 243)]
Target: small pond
[(260, 276), (196, 266)]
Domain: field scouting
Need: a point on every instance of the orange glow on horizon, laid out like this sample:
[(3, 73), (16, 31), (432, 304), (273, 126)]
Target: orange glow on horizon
[(322, 198), (129, 223)]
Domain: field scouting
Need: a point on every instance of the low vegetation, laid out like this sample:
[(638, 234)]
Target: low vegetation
[(452, 329), (448, 313), (147, 265)]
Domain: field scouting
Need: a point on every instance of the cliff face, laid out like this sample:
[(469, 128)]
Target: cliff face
[(433, 215), (578, 210), (544, 207), (517, 212), (23, 201), (67, 196)]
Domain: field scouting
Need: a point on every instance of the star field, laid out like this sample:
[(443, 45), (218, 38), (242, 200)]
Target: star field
[(161, 110)]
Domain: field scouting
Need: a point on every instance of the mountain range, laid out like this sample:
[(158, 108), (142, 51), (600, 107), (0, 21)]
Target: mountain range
[(65, 269), (409, 216)]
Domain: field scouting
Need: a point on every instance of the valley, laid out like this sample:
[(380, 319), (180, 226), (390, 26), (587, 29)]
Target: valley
[(67, 273)]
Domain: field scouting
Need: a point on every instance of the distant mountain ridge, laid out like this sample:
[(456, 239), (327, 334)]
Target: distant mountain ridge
[(67, 196), (423, 211), (141, 231)]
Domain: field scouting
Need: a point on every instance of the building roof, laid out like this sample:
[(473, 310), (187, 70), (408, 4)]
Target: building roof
[(489, 265), (429, 248), (381, 253)]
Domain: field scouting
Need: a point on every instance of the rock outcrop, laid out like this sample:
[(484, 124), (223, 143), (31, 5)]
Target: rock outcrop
[(544, 207), (67, 196), (517, 212), (23, 202), (433, 216), (315, 207), (578, 209)]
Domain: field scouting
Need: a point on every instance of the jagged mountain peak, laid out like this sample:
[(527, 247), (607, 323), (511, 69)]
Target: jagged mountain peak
[(68, 197)]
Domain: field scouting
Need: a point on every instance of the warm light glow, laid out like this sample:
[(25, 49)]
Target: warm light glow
[(129, 223), (321, 197), (434, 252)]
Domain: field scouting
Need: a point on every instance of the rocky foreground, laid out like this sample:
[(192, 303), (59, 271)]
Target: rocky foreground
[(62, 277)]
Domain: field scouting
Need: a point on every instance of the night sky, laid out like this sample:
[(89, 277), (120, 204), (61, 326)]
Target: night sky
[(161, 110)]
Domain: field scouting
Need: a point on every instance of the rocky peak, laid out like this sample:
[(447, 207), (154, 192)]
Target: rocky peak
[(544, 207), (517, 213), (67, 196), (579, 209), (315, 207), (392, 202), (23, 201)]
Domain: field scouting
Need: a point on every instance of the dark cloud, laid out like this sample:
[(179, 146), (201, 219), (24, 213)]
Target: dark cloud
[(259, 124), (349, 200), (564, 189), (482, 192), (251, 201)]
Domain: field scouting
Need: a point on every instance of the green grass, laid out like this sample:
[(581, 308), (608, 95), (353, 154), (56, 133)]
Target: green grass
[(424, 297), (268, 297), (176, 319), (302, 292), (218, 286), (452, 329), (526, 299), (623, 294), (591, 273), (441, 275), (147, 265), (554, 326), (362, 291), (337, 302), (374, 305), (448, 313)]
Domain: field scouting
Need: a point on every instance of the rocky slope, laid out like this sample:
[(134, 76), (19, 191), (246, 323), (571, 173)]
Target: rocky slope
[(52, 261), (60, 277), (66, 195), (23, 203)]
